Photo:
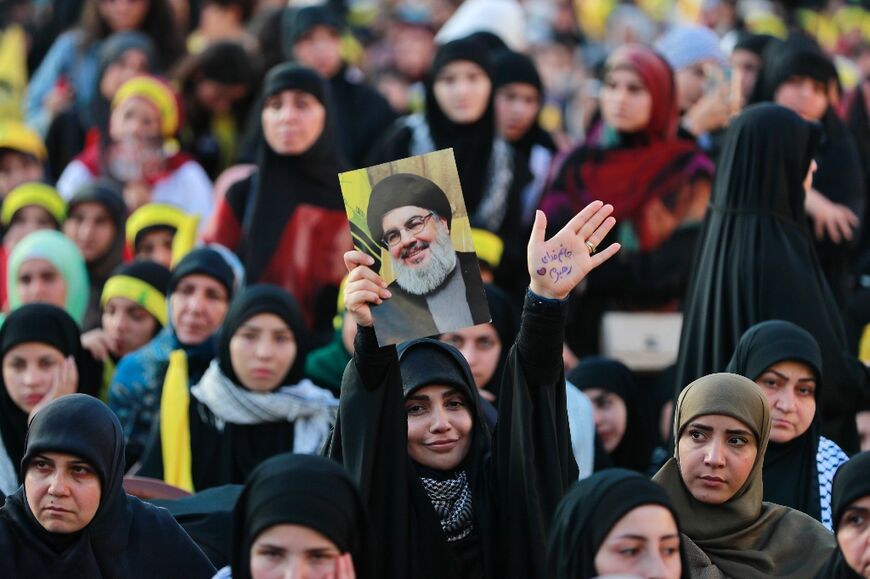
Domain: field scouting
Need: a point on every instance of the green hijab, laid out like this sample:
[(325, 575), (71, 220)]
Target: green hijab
[(57, 249), (744, 537)]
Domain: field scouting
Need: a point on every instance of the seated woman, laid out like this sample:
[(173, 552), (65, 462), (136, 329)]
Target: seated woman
[(449, 498), (134, 310), (200, 289), (302, 513), (72, 515), (95, 222), (616, 522), (47, 267), (40, 354), (252, 402), (721, 428), (621, 419), (785, 360), (851, 503), (27, 208), (161, 233), (294, 198), (141, 153)]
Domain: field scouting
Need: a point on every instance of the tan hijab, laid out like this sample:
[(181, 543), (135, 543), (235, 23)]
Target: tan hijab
[(744, 537)]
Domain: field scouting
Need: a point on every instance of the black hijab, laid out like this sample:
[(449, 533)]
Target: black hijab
[(283, 182), (107, 194), (756, 261), (41, 323), (472, 143), (851, 483), (634, 451), (791, 476), (515, 67), (125, 534), (506, 319), (311, 491), (264, 299), (589, 510)]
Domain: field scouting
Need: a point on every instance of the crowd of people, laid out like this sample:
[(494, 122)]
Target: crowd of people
[(194, 377)]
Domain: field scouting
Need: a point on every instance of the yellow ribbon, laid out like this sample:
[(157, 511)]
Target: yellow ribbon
[(175, 424), (138, 291)]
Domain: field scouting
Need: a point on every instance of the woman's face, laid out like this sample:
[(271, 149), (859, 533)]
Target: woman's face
[(262, 351), (132, 62), (481, 347), (294, 551), (790, 387), (716, 454), (805, 96), (516, 107), (462, 90), (135, 119), (611, 417), (128, 324), (626, 104), (40, 282), (219, 98), (439, 426), (292, 121), (747, 64), (645, 543), (198, 307), (92, 229), (29, 370), (63, 491), (27, 220), (853, 536), (123, 15), (156, 246)]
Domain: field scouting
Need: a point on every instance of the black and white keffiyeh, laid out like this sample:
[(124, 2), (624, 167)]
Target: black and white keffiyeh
[(451, 499), (312, 409)]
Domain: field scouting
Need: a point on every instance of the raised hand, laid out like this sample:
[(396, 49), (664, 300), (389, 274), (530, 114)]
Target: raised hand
[(364, 287), (558, 264)]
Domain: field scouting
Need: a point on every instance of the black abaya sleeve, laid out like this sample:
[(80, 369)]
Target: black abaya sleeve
[(533, 464)]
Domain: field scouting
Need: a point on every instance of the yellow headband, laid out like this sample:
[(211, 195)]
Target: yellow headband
[(138, 291), (19, 137), (488, 246), (158, 94), (160, 214), (38, 194)]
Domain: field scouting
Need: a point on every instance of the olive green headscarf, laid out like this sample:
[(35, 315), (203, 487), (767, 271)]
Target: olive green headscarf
[(744, 537), (57, 249)]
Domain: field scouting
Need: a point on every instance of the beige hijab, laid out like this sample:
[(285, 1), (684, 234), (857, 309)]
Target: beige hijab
[(744, 537)]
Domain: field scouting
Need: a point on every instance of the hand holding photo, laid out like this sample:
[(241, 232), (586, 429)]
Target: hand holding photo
[(409, 218)]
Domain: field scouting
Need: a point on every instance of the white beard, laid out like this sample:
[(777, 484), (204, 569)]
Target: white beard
[(442, 260)]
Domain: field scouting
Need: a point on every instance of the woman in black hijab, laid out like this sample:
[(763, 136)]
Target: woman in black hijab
[(96, 214), (627, 434), (84, 524), (252, 402), (797, 74), (586, 523), (292, 199), (756, 261), (448, 497), (800, 463), (851, 504), (303, 491), (56, 335), (484, 160)]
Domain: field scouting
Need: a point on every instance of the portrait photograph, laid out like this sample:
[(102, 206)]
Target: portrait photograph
[(409, 216)]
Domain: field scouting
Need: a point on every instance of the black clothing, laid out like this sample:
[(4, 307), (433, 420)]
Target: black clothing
[(205, 261), (851, 483), (790, 473), (126, 538), (516, 476), (311, 491), (589, 511), (634, 451), (756, 262)]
